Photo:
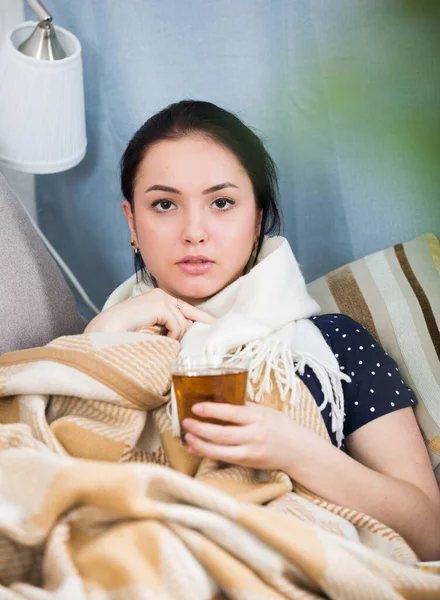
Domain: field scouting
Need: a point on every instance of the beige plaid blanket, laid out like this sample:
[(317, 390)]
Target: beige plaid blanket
[(90, 508)]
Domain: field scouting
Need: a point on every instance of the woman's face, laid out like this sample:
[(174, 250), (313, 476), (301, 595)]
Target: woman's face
[(195, 216)]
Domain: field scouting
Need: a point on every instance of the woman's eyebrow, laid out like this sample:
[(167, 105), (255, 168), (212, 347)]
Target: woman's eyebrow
[(220, 186), (170, 190)]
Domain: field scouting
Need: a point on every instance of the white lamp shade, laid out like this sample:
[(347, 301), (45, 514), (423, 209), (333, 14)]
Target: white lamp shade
[(42, 120)]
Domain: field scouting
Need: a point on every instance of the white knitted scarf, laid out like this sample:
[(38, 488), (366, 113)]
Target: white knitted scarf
[(265, 314)]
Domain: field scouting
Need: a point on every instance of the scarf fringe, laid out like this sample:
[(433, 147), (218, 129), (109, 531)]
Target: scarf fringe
[(277, 358), (173, 413)]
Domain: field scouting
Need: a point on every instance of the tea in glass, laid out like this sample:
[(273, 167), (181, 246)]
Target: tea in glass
[(216, 378)]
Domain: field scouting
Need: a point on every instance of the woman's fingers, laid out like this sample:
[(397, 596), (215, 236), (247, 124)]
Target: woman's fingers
[(218, 434), (171, 322), (192, 313), (189, 312), (155, 307), (181, 320), (231, 454), (229, 413)]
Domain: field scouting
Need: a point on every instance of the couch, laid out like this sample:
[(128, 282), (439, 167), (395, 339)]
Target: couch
[(394, 293), (36, 304)]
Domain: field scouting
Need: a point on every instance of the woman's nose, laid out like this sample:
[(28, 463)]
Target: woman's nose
[(194, 231)]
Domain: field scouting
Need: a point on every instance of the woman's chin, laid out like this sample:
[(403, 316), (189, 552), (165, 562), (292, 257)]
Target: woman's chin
[(197, 292)]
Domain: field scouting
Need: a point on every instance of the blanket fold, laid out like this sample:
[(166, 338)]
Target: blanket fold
[(99, 500)]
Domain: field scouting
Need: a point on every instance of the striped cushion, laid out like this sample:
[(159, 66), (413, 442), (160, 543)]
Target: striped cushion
[(395, 294)]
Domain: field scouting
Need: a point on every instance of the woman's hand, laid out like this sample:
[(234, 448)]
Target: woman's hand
[(152, 308), (261, 437)]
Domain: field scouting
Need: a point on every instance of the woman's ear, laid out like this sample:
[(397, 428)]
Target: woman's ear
[(126, 207)]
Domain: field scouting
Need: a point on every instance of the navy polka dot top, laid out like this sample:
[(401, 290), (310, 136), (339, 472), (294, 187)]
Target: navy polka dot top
[(376, 386)]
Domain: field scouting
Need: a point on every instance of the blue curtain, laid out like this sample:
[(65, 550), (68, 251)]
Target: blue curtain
[(345, 95)]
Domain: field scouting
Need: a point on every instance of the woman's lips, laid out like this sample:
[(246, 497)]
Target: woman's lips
[(195, 267)]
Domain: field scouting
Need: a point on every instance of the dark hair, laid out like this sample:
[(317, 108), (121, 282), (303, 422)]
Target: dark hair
[(192, 116)]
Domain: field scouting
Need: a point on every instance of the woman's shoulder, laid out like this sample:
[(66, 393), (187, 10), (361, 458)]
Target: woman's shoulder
[(334, 320), (352, 344), (376, 387), (339, 328)]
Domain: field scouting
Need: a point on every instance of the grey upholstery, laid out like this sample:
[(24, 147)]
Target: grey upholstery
[(36, 304)]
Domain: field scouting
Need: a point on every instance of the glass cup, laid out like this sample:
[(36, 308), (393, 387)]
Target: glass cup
[(215, 378)]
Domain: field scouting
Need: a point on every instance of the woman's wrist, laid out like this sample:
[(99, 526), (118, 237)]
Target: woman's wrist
[(94, 325), (100, 323), (305, 450)]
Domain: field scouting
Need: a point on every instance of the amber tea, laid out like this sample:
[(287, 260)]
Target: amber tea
[(220, 379)]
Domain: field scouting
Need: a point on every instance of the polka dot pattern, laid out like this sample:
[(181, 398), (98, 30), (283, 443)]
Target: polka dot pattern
[(376, 386)]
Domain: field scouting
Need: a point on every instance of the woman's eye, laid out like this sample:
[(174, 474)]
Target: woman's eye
[(163, 205), (223, 203)]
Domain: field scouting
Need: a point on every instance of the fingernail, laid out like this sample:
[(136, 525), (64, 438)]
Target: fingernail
[(188, 438), (197, 408)]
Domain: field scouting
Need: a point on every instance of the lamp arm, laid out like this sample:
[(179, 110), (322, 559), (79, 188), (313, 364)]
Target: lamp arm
[(40, 10), (43, 43)]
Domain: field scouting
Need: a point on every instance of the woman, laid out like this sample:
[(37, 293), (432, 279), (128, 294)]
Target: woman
[(200, 197)]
